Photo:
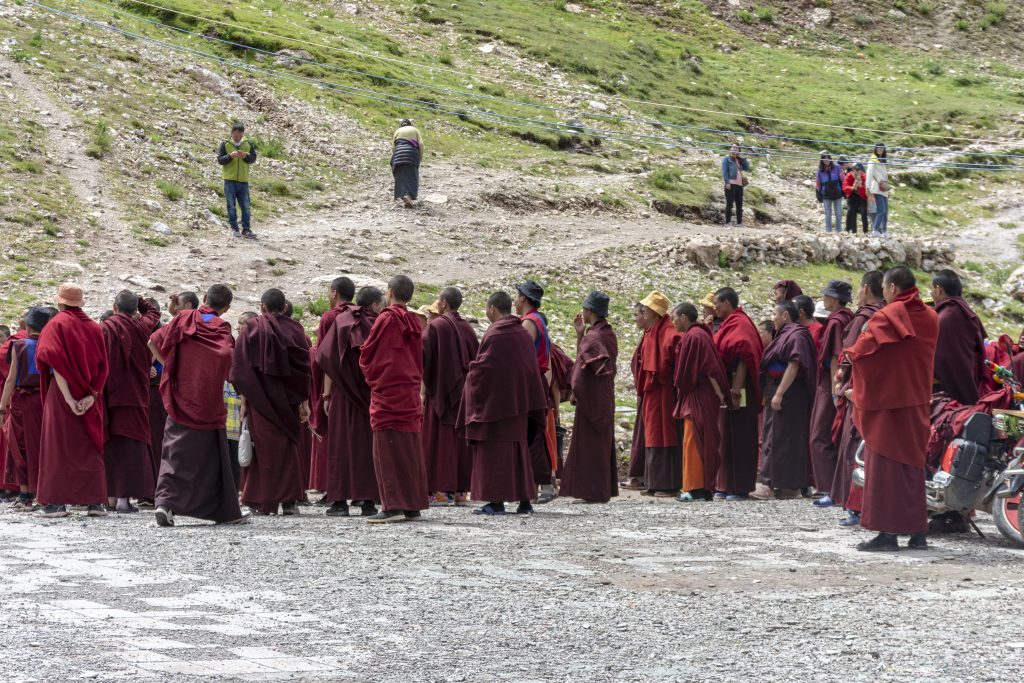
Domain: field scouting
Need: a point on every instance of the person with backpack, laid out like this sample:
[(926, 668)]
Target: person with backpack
[(828, 186), (235, 156)]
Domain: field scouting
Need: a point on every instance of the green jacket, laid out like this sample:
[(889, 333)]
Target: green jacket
[(236, 169)]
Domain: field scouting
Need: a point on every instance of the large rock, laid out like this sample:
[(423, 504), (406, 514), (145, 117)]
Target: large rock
[(358, 280), (703, 251), (214, 82), (1014, 285)]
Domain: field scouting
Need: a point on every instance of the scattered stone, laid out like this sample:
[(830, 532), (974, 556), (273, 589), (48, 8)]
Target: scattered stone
[(152, 206), (600, 106), (349, 8), (144, 282), (212, 218), (488, 48), (384, 257), (161, 228), (820, 16), (289, 57), (215, 82), (436, 198)]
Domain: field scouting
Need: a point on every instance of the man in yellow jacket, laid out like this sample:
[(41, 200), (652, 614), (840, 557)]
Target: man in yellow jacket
[(235, 156)]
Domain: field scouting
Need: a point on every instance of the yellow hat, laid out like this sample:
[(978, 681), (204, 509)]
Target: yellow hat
[(708, 301), (657, 302), (433, 309)]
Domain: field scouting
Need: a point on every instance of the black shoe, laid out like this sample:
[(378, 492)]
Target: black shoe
[(96, 511), (323, 502), (337, 510), (490, 509), (524, 508), (248, 235), (145, 503), (126, 511), (164, 517), (413, 516), (918, 541), (882, 543), (387, 517), (368, 509), (289, 509), (54, 511)]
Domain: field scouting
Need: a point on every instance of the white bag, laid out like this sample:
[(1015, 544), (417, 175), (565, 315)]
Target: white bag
[(245, 445)]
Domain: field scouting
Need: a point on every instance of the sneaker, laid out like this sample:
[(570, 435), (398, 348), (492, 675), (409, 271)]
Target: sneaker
[(337, 510), (246, 518), (823, 502), (7, 496), (96, 511), (665, 494), (387, 517), (461, 499), (23, 505), (721, 495), (407, 201), (248, 235), (918, 541), (633, 484), (524, 508), (145, 503), (126, 511), (545, 497), (882, 543), (735, 497), (235, 233), (852, 519), (441, 500), (413, 516), (490, 509), (164, 517), (54, 511)]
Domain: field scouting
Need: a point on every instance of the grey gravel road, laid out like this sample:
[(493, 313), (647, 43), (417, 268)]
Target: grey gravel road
[(637, 590)]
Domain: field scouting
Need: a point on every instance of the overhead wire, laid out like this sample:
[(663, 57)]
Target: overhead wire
[(547, 107), (406, 63), (535, 124)]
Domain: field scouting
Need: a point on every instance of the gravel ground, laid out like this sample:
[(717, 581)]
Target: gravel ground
[(638, 590)]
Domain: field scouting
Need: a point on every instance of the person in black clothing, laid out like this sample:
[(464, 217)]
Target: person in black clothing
[(855, 190)]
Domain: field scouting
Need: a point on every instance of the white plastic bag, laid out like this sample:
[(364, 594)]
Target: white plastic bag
[(245, 445)]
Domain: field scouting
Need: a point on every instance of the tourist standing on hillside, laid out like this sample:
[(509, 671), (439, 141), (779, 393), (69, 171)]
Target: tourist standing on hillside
[(828, 185), (733, 167), (235, 156), (855, 189), (878, 190), (406, 153)]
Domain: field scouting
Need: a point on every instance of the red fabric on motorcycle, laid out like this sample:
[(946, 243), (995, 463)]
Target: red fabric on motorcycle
[(948, 417)]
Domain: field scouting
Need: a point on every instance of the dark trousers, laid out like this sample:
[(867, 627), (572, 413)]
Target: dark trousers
[(734, 195), (236, 470), (856, 206), (237, 193)]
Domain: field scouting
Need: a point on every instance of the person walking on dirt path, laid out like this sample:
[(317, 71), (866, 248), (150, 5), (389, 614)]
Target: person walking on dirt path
[(733, 167), (878, 190), (235, 156), (828, 186), (407, 151)]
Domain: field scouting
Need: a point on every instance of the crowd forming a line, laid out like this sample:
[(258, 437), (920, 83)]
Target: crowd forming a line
[(391, 411)]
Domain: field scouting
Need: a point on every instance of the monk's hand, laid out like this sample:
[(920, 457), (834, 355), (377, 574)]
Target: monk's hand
[(85, 404), (304, 412), (579, 325), (737, 396), (325, 401), (777, 402), (4, 406), (849, 395), (152, 372)]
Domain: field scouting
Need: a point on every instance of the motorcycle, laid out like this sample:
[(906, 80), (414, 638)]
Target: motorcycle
[(983, 467)]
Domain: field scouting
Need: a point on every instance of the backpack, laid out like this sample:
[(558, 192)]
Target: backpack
[(832, 188)]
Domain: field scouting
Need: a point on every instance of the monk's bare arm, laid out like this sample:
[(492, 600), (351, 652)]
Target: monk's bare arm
[(156, 353), (739, 380), (5, 400), (76, 406), (531, 328), (788, 378)]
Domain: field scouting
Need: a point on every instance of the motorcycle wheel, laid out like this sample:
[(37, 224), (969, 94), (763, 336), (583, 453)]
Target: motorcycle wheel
[(1008, 514)]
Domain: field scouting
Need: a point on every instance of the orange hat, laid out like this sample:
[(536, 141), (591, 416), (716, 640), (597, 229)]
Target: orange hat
[(70, 294), (657, 302)]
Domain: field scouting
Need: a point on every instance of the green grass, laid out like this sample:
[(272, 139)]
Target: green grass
[(101, 140), (271, 147), (171, 191)]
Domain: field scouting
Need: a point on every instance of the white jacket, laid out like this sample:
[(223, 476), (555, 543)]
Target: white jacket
[(876, 173)]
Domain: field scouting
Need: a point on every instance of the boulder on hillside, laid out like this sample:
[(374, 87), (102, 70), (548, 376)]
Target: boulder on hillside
[(1014, 285), (214, 82)]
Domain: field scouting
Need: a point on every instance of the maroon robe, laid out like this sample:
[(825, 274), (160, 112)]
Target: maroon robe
[(663, 467), (850, 438), (392, 362), (592, 468), (824, 451), (21, 430), (449, 346), (785, 432), (71, 447), (195, 477), (893, 364), (270, 368), (349, 456), (960, 351), (318, 421), (8, 481), (503, 407), (127, 453), (637, 451), (792, 288), (157, 420), (738, 339), (697, 363)]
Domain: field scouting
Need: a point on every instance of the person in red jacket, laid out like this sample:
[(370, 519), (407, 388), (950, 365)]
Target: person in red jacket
[(854, 188)]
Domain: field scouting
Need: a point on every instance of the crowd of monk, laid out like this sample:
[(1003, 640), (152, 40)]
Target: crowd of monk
[(406, 409)]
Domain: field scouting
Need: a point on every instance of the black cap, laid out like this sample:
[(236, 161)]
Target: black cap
[(531, 290), (597, 303), (36, 318), (840, 290), (238, 126)]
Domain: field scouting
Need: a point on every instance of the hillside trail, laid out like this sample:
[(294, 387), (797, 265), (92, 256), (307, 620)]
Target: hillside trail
[(994, 239)]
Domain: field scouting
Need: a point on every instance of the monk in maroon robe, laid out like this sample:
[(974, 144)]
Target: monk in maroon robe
[(72, 360), (869, 301), (824, 451), (127, 456), (340, 297), (270, 370), (591, 470), (700, 383), (21, 406), (893, 364), (449, 346), (788, 378), (739, 344), (8, 479), (503, 407), (662, 439), (786, 290), (350, 472), (637, 451), (960, 353), (195, 477), (392, 362)]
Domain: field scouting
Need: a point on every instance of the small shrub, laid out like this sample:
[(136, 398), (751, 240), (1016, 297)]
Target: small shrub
[(901, 5), (962, 25), (101, 140), (28, 166), (50, 228), (560, 5), (664, 179), (170, 190), (924, 7), (745, 16), (37, 38), (765, 15), (270, 147), (446, 56), (318, 306), (995, 13), (279, 188), (863, 20), (935, 69)]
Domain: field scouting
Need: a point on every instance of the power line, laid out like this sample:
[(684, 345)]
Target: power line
[(514, 102), (535, 124), (368, 55)]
